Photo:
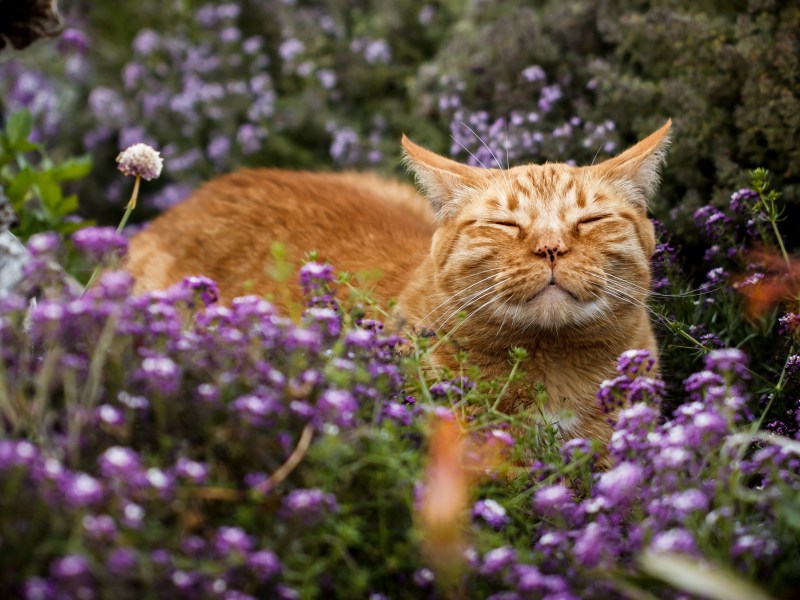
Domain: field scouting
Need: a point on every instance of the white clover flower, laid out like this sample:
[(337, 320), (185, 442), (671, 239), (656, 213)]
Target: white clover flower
[(140, 160)]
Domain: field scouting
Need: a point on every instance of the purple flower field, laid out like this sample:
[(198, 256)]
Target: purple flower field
[(168, 446)]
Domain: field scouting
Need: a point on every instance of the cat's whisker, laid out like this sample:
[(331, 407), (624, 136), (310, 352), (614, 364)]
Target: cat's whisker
[(504, 306), (485, 145), (450, 333), (508, 167), (689, 293), (473, 297), (478, 160), (630, 284), (627, 298), (462, 291)]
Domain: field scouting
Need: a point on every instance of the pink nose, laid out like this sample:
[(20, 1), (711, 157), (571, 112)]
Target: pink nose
[(551, 249)]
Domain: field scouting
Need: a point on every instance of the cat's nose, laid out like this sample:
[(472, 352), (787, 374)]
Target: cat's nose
[(551, 249)]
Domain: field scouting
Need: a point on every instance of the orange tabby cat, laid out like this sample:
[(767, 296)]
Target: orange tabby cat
[(551, 258)]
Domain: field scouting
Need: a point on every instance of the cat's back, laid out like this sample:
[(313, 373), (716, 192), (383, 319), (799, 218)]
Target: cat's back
[(226, 230)]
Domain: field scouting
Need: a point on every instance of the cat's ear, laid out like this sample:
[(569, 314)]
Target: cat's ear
[(639, 167), (443, 181)]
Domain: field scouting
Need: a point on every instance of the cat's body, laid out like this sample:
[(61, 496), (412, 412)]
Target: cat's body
[(227, 229), (552, 258)]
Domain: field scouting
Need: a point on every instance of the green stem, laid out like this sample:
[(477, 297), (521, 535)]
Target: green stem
[(780, 243), (128, 210)]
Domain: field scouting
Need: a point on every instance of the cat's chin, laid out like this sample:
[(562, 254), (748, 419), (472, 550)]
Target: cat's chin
[(555, 307), (553, 293)]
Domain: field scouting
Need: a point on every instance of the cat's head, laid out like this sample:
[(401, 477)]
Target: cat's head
[(545, 246)]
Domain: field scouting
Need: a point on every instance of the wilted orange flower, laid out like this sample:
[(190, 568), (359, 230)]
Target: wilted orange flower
[(779, 282), (455, 463)]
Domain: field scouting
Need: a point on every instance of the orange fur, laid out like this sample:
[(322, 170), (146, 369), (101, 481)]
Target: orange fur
[(551, 258)]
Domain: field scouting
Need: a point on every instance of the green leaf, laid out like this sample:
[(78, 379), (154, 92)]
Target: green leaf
[(67, 206), (18, 129), (72, 169), (49, 192), (18, 188)]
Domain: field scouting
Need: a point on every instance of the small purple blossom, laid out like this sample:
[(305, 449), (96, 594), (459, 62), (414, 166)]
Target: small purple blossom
[(232, 539), (491, 512), (498, 559), (264, 564), (619, 485), (70, 567), (161, 374), (120, 462), (308, 504), (552, 499), (99, 242), (81, 489), (338, 406), (674, 540)]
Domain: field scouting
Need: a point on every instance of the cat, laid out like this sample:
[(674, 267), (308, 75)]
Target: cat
[(551, 258)]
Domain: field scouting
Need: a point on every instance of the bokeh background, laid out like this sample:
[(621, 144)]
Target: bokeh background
[(333, 84)]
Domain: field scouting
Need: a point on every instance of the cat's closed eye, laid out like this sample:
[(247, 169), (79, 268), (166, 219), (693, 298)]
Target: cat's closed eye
[(509, 224), (589, 219)]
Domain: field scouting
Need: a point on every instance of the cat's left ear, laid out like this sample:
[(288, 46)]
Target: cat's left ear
[(639, 167), (443, 181)]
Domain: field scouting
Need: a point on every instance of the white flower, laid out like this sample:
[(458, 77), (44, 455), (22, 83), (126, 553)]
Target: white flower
[(140, 160)]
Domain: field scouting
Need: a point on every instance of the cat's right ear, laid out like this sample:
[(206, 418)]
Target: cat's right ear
[(443, 181)]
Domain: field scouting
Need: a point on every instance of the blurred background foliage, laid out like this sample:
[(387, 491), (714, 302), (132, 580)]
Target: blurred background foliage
[(332, 84)]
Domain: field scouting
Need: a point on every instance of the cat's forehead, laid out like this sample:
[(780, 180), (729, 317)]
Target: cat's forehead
[(541, 191)]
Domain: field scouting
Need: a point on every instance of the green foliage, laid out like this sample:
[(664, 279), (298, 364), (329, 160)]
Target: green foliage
[(35, 185)]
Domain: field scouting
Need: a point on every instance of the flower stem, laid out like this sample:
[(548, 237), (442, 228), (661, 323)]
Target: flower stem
[(128, 210), (131, 204)]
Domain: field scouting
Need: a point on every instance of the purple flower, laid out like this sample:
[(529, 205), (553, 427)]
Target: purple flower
[(37, 588), (313, 275), (161, 374), (498, 559), (688, 501), (160, 481), (132, 515), (43, 245), (146, 42), (191, 470), (619, 485), (232, 539), (120, 462), (100, 527), (728, 360), (591, 544), (552, 500), (97, 242), (398, 412), (203, 288), (423, 578), (114, 285), (308, 504), (533, 73), (257, 407), (17, 453), (121, 561), (742, 200), (713, 222), (674, 540), (70, 567), (491, 512), (81, 489), (264, 564), (338, 406), (110, 415)]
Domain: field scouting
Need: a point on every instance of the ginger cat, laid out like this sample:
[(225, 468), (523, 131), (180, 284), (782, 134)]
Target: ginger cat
[(552, 258)]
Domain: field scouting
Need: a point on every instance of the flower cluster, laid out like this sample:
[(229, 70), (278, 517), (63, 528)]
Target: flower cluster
[(158, 405)]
